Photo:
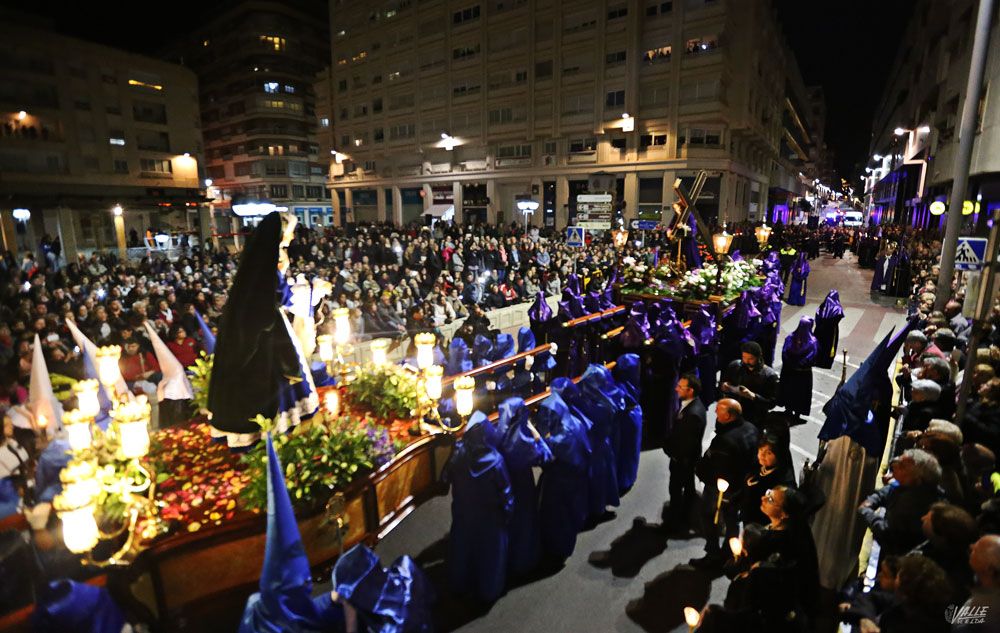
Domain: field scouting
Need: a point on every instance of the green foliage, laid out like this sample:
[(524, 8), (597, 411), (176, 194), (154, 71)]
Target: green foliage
[(200, 375), (318, 457), (389, 392)]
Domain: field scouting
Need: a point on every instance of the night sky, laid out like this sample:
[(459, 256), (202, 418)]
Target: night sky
[(847, 46)]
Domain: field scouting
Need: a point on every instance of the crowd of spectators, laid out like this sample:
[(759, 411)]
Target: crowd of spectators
[(396, 281)]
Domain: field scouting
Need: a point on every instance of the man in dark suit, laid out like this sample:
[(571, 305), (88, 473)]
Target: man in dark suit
[(751, 383), (683, 445), (730, 457)]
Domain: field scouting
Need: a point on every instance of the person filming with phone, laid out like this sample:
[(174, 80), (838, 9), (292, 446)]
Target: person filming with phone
[(751, 383)]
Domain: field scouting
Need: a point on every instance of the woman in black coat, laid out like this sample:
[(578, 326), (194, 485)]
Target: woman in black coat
[(776, 469)]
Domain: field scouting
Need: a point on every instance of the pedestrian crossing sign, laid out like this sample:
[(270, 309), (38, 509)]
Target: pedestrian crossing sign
[(971, 253), (574, 236)]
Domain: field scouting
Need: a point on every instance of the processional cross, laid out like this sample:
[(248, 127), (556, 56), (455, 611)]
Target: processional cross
[(685, 207)]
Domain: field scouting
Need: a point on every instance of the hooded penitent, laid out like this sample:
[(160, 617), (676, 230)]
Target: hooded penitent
[(522, 451), (481, 505), (284, 603), (798, 355), (828, 317)]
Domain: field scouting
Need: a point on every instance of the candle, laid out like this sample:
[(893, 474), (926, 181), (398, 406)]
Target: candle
[(324, 342), (432, 381), (424, 343), (463, 395), (78, 524), (380, 351), (736, 545), (723, 486), (692, 617)]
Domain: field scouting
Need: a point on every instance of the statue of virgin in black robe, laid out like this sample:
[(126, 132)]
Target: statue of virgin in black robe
[(254, 352)]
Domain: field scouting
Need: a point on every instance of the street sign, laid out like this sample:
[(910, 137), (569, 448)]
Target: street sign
[(971, 253), (575, 236), (594, 211), (645, 225)]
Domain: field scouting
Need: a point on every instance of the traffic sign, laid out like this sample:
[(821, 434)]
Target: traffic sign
[(575, 236), (594, 211), (645, 225), (971, 253)]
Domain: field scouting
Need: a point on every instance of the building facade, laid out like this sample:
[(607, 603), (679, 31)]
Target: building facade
[(915, 134), (257, 63), (477, 104), (86, 127)]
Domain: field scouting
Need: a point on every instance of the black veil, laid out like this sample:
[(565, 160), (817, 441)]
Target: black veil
[(253, 352)]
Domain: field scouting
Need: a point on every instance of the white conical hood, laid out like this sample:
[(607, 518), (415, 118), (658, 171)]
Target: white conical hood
[(90, 349), (41, 401), (175, 384)]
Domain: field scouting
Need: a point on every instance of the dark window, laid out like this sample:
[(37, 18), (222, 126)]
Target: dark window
[(377, 105), (298, 191), (121, 166), (647, 140), (543, 70), (617, 57), (615, 98), (279, 191), (617, 12), (342, 85), (618, 143)]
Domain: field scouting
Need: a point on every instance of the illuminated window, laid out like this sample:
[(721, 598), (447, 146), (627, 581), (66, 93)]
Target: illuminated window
[(342, 61), (143, 84), (360, 56), (205, 42), (324, 122), (271, 86), (116, 140), (273, 42)]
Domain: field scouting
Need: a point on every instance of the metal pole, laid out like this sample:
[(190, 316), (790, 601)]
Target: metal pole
[(981, 324), (966, 139)]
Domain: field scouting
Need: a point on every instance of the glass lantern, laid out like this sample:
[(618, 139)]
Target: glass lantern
[(424, 343), (77, 426), (107, 364), (324, 343), (432, 382), (87, 401), (342, 326), (133, 427), (380, 351), (79, 526), (464, 387), (79, 481)]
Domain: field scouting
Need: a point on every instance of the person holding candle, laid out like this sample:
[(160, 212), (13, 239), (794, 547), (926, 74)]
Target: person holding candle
[(730, 457)]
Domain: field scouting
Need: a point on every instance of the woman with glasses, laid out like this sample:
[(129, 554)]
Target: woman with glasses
[(775, 577)]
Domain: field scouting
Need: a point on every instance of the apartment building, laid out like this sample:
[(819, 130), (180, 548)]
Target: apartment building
[(476, 104), (257, 62), (86, 127), (915, 134)]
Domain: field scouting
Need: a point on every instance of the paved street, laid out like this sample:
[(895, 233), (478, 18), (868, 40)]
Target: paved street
[(642, 590)]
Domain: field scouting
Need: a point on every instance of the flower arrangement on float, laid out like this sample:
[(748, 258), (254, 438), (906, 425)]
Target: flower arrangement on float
[(699, 284)]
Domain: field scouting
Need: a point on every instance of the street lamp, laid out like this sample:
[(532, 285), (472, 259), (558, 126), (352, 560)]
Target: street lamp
[(526, 207), (448, 141), (117, 210), (721, 242), (22, 215), (763, 233), (900, 131)]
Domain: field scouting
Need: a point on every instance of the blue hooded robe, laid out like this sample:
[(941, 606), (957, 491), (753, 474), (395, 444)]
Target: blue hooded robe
[(628, 374), (563, 487), (521, 452), (598, 413), (482, 501)]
